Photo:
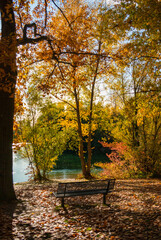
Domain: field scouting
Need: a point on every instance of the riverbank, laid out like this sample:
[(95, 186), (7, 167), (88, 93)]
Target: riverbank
[(134, 212)]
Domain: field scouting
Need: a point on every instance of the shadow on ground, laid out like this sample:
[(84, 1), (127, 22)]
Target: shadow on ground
[(133, 211)]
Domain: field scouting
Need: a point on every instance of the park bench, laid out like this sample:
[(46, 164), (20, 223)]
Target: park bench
[(71, 189)]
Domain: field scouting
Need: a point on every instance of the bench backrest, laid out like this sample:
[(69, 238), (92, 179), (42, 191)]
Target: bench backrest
[(106, 185)]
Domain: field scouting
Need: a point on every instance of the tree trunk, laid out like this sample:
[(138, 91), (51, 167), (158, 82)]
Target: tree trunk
[(134, 123), (6, 137), (7, 90), (81, 154), (89, 147)]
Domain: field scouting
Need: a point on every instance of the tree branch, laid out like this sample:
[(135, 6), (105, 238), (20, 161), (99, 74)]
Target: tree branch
[(23, 41), (62, 14), (45, 17), (46, 14), (65, 102), (63, 78), (87, 53)]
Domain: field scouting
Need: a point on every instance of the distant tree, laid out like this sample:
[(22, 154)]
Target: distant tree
[(41, 135), (81, 62), (135, 79), (136, 115)]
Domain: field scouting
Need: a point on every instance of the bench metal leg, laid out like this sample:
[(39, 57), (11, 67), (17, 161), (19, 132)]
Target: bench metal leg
[(62, 202), (104, 198)]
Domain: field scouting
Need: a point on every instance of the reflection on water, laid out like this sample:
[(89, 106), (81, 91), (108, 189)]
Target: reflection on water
[(20, 169), (64, 173)]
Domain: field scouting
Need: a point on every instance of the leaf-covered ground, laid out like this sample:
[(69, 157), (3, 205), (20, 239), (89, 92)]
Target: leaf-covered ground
[(133, 212)]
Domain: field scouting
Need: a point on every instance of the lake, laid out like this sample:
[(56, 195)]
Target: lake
[(20, 170), (70, 163)]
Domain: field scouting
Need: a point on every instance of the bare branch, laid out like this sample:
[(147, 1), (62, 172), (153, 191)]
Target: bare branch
[(62, 14), (30, 25), (65, 102), (19, 14), (32, 63), (87, 53), (142, 77), (62, 75), (46, 15), (52, 72), (68, 63)]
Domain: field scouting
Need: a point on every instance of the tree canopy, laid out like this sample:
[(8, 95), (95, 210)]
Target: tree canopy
[(69, 49)]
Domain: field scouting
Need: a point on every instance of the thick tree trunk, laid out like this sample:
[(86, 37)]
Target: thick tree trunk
[(6, 136), (7, 89)]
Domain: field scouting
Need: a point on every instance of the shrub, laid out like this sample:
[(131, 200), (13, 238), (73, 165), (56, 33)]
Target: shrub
[(123, 163)]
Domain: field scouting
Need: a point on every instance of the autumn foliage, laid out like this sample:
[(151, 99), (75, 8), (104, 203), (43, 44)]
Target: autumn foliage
[(122, 162), (70, 51), (80, 49)]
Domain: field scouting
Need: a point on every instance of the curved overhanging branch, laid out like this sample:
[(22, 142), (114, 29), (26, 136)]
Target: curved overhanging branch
[(25, 39)]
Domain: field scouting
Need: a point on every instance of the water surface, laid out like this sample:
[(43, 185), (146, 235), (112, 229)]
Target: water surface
[(21, 168)]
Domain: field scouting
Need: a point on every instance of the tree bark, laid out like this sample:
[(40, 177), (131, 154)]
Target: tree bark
[(7, 90), (81, 154), (134, 123), (89, 147)]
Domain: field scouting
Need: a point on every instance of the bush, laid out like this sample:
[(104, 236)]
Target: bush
[(122, 165)]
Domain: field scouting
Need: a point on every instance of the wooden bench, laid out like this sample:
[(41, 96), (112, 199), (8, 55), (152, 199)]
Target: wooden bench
[(71, 189)]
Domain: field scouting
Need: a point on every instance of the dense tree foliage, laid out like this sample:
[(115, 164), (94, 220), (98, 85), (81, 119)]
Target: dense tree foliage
[(77, 64), (73, 48), (40, 135)]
